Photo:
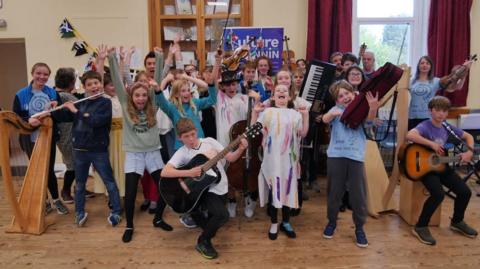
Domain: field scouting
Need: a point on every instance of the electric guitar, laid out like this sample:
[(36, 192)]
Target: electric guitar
[(417, 160), (183, 193)]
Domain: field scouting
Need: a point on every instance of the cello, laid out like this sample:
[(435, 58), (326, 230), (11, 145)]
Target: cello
[(243, 173)]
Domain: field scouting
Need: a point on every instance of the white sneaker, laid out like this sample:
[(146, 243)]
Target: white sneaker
[(249, 207), (232, 209)]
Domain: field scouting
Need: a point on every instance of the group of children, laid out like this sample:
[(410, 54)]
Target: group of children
[(162, 123)]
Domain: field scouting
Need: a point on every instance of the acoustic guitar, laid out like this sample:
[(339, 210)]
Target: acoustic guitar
[(182, 194), (418, 160)]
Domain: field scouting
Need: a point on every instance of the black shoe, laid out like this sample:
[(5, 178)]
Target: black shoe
[(160, 223), (152, 210), (206, 249), (464, 229), (127, 235), (288, 230), (295, 212), (144, 206), (272, 236)]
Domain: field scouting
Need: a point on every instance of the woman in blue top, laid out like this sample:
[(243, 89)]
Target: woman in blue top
[(423, 88)]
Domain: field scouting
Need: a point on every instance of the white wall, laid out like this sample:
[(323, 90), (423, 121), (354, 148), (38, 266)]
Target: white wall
[(114, 22), (289, 14)]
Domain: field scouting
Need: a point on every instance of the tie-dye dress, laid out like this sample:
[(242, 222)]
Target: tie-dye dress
[(281, 153)]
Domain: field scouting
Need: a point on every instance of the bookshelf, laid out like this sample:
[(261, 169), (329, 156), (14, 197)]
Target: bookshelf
[(199, 23)]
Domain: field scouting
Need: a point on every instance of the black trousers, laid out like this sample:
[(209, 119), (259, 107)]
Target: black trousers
[(131, 187), (27, 147), (217, 216), (433, 183), (273, 211)]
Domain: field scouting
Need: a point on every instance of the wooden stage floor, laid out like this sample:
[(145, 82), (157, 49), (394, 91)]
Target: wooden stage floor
[(241, 243)]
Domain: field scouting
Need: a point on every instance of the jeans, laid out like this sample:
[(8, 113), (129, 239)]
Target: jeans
[(101, 162)]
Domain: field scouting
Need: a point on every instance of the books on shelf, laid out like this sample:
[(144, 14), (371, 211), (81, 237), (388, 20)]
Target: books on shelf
[(221, 6), (169, 32), (169, 10), (184, 7)]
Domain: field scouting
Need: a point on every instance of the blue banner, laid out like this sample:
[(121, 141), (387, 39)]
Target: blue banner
[(268, 41)]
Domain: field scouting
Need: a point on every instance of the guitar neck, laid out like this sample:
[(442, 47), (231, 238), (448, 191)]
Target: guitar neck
[(222, 153), (457, 158)]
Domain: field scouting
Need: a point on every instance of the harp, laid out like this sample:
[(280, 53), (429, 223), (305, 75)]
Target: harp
[(29, 208)]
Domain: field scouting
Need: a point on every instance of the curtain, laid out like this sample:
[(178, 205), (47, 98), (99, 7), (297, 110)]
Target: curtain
[(329, 28), (449, 40)]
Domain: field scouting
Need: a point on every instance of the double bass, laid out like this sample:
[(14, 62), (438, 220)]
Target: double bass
[(243, 173)]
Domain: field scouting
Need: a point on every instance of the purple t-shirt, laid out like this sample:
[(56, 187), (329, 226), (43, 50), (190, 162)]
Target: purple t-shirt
[(438, 135)]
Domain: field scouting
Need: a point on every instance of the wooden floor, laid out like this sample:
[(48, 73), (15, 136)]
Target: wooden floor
[(241, 243)]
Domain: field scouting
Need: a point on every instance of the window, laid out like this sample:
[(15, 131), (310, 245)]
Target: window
[(395, 30)]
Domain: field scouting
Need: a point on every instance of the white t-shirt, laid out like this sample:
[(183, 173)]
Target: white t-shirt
[(184, 154)]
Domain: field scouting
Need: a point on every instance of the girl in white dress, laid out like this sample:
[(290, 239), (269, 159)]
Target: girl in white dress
[(283, 128)]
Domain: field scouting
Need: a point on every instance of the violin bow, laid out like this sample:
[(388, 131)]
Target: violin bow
[(225, 26)]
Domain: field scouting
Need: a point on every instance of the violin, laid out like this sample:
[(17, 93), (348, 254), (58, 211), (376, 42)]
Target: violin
[(458, 73), (233, 62), (287, 56)]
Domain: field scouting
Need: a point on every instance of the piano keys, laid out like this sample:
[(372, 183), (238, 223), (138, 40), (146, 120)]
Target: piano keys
[(320, 76)]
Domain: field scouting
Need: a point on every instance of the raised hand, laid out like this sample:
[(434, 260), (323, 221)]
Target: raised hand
[(372, 100), (122, 53), (102, 51), (111, 50), (209, 78), (158, 50), (303, 110), (259, 108)]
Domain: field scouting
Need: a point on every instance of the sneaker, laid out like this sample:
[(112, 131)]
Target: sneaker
[(89, 194), (48, 207), (187, 221), (160, 223), (423, 234), (249, 207), (114, 219), (80, 219), (464, 229), (361, 238), (206, 250), (329, 230), (61, 208), (288, 230), (232, 209), (67, 197)]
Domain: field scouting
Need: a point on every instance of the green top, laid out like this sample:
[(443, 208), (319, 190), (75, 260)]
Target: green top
[(137, 137)]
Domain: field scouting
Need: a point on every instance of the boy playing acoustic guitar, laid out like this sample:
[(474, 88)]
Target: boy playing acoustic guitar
[(214, 199), (433, 134)]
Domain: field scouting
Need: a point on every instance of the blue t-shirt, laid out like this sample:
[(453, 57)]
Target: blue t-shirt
[(346, 142), (421, 93), (39, 102), (436, 134)]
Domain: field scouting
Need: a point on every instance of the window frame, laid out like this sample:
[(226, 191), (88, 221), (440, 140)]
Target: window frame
[(418, 28)]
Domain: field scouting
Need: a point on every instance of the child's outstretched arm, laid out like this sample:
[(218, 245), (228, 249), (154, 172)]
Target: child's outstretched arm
[(331, 114), (259, 107), (305, 121), (234, 155), (116, 77), (100, 59), (158, 64), (373, 105), (211, 100)]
